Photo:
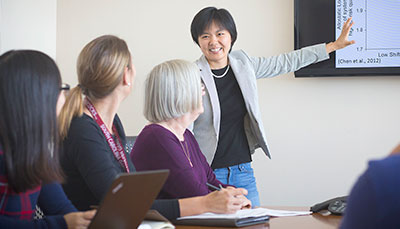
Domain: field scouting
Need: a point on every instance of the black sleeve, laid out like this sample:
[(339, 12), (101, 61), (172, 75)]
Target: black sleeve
[(168, 208), (89, 154)]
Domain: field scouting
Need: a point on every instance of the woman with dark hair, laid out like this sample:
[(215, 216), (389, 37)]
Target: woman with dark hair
[(31, 96), (231, 128), (94, 135)]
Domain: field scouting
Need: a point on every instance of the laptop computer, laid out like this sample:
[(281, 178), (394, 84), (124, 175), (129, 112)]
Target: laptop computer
[(128, 199)]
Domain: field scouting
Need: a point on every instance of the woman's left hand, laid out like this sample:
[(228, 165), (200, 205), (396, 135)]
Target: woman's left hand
[(343, 39)]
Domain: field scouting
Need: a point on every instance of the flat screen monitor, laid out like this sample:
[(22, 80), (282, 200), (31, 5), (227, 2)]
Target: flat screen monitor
[(376, 32)]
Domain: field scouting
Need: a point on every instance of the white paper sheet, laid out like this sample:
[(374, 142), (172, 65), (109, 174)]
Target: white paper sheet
[(148, 224)]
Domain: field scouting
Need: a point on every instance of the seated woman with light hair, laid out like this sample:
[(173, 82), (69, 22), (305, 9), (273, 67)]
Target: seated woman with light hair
[(89, 122), (173, 100)]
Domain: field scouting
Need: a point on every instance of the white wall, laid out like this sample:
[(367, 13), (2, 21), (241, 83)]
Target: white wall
[(27, 24), (321, 131)]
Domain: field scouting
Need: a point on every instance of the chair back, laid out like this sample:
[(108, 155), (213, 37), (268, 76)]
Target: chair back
[(130, 140)]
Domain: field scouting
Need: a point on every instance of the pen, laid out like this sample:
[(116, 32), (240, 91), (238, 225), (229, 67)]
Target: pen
[(214, 187)]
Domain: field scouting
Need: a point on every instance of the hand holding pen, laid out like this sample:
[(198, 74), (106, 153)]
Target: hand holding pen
[(213, 187), (230, 199)]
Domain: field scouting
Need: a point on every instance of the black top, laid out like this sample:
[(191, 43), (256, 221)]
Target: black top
[(90, 166), (232, 148)]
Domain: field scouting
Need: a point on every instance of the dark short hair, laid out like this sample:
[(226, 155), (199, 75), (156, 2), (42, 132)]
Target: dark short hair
[(29, 88), (205, 17)]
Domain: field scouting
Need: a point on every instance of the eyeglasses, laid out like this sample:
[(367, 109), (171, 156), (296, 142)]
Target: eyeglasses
[(65, 87)]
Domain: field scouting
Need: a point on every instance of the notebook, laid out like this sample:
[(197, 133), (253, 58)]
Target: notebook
[(128, 199), (241, 218)]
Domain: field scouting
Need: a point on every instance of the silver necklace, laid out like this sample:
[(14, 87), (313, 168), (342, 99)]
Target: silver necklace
[(226, 71)]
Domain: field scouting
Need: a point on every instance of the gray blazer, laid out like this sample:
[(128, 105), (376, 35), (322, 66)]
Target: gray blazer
[(247, 70)]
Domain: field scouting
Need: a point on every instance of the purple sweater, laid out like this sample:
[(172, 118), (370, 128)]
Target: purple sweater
[(158, 148)]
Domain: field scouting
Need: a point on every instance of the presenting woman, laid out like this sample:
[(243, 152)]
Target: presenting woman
[(94, 137), (173, 100), (30, 97), (231, 128)]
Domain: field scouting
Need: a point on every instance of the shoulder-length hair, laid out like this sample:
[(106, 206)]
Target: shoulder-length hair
[(172, 89), (29, 88), (100, 67)]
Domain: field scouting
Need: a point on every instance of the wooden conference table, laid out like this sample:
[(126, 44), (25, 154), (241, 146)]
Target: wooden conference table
[(313, 221)]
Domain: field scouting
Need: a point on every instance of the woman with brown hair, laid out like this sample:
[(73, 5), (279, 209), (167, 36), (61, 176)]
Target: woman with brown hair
[(94, 137)]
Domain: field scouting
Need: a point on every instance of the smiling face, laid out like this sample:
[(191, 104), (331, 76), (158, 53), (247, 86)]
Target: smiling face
[(215, 43)]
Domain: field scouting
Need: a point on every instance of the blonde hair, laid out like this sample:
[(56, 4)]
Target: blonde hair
[(172, 89), (100, 67)]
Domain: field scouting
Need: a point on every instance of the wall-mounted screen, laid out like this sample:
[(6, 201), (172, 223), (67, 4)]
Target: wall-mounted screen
[(376, 32)]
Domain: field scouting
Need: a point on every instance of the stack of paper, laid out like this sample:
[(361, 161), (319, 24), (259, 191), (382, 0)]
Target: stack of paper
[(256, 212), (240, 218)]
